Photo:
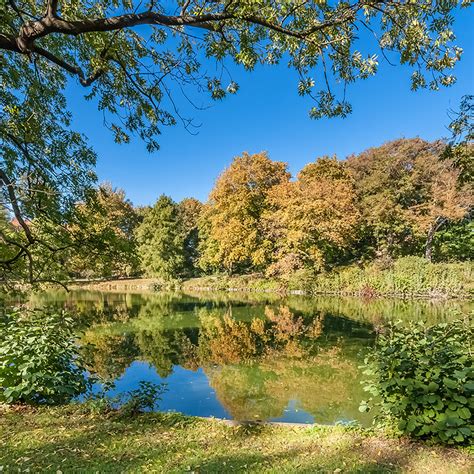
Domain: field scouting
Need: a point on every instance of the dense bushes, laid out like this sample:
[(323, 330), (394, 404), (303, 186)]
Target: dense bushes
[(411, 276), (39, 362), (407, 276), (422, 380)]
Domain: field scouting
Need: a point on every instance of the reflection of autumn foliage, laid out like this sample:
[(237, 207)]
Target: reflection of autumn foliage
[(226, 340), (292, 332), (286, 326), (108, 355), (326, 386)]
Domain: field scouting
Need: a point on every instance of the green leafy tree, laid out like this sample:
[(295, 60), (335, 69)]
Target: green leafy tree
[(190, 210), (109, 220), (455, 241), (161, 240)]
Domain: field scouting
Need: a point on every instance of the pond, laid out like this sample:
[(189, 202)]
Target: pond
[(239, 356)]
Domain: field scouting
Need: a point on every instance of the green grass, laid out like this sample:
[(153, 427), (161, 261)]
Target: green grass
[(75, 439), (406, 277)]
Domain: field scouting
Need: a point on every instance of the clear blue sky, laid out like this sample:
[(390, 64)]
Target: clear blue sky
[(267, 114)]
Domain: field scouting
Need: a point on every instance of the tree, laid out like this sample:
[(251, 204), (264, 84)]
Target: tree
[(455, 241), (161, 240), (45, 168), (460, 148), (407, 193), (190, 210), (110, 220), (314, 218), (232, 234), (446, 200), (133, 75)]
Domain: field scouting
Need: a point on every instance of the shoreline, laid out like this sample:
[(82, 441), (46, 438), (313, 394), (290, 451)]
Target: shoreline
[(155, 285)]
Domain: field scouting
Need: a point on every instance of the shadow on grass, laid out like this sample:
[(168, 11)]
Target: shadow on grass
[(170, 443)]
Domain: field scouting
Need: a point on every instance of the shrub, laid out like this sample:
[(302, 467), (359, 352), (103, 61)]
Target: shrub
[(422, 380), (39, 362), (406, 276), (142, 399)]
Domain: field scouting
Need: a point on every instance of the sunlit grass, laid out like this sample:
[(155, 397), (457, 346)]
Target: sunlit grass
[(76, 439)]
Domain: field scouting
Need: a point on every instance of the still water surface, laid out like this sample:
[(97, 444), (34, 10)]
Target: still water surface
[(243, 357)]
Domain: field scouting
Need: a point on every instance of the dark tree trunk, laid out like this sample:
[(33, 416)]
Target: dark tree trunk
[(439, 222), (429, 243)]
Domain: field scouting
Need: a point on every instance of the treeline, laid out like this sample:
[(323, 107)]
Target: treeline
[(402, 198)]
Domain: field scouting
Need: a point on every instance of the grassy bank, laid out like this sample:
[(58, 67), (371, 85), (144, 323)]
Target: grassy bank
[(409, 277), (77, 439), (406, 277)]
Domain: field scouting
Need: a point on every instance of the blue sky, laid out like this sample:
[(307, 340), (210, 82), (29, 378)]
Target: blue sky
[(268, 114)]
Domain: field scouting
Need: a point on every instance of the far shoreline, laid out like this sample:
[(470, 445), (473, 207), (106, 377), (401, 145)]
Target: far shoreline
[(270, 286)]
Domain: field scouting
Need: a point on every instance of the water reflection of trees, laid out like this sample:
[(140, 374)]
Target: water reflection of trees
[(225, 340), (107, 354), (257, 359), (257, 352)]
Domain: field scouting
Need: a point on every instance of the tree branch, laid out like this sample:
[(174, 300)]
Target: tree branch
[(5, 181)]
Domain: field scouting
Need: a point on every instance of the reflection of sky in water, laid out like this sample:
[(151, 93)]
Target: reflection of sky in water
[(186, 392), (189, 392)]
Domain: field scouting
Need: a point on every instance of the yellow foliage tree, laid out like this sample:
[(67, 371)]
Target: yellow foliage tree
[(231, 223), (313, 218)]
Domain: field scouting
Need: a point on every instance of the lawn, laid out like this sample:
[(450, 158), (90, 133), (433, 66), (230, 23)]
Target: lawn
[(75, 438)]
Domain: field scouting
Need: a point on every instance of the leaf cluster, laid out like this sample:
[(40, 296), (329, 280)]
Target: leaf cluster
[(39, 358), (422, 380)]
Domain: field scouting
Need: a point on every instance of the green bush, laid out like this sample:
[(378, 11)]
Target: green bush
[(422, 380), (142, 399), (39, 362), (407, 276)]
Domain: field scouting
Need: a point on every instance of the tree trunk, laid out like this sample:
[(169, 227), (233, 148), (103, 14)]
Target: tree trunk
[(429, 238), (429, 243)]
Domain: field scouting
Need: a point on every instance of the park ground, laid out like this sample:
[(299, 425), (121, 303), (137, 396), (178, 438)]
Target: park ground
[(77, 438)]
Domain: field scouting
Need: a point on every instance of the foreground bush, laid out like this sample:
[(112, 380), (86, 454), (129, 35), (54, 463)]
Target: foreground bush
[(422, 380), (39, 362)]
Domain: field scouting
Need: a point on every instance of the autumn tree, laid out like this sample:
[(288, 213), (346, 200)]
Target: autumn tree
[(108, 221), (313, 219), (446, 198), (133, 58), (161, 240), (407, 192), (232, 232)]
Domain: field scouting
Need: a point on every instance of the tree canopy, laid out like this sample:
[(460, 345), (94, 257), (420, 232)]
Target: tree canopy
[(161, 240), (108, 222), (100, 45), (314, 217), (233, 237), (407, 192)]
